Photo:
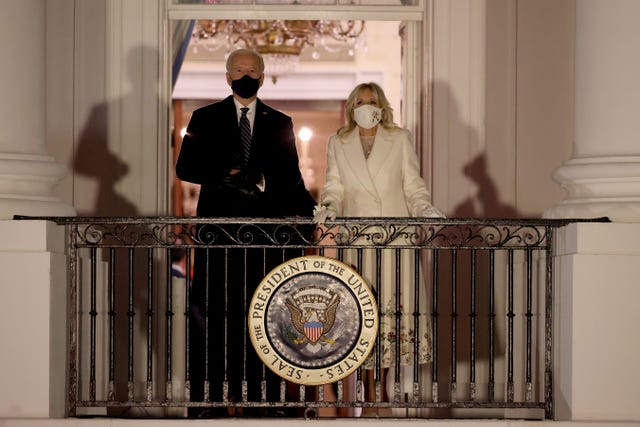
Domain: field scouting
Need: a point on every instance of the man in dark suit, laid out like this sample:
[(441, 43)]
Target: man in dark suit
[(261, 179)]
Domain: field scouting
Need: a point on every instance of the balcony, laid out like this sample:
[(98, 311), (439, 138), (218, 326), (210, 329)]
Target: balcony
[(491, 316)]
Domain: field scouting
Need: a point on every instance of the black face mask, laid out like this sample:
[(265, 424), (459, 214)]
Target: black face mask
[(246, 86)]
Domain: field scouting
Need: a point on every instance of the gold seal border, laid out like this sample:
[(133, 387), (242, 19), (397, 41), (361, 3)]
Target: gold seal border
[(345, 275)]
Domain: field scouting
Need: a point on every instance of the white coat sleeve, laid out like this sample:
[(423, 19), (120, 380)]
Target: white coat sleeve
[(416, 194), (332, 194)]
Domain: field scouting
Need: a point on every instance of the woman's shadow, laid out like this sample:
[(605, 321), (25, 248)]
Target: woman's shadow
[(464, 295), (486, 203)]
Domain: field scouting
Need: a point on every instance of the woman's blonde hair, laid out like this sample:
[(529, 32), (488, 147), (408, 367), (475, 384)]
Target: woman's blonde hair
[(383, 102)]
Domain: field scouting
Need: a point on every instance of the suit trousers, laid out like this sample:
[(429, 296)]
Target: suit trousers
[(224, 281)]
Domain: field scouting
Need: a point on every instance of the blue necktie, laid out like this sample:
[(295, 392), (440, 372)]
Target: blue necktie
[(245, 135)]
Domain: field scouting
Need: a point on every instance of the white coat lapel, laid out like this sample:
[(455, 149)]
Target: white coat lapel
[(358, 164), (380, 152)]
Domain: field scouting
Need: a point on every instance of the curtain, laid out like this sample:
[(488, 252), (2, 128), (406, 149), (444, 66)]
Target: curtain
[(180, 41)]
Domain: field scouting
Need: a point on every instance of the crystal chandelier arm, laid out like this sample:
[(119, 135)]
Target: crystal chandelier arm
[(280, 41)]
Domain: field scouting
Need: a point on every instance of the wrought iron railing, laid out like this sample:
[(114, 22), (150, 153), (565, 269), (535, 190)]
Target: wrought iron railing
[(487, 326)]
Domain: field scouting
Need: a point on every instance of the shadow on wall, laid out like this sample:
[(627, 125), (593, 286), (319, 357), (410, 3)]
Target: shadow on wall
[(486, 203), (96, 155), (466, 308), (96, 158), (462, 141)]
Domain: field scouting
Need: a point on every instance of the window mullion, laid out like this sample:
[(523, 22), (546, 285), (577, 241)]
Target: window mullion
[(240, 11)]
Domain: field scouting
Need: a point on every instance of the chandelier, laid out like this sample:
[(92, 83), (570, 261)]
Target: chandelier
[(280, 42)]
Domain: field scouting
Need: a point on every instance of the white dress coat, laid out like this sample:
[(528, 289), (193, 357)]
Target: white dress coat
[(386, 184)]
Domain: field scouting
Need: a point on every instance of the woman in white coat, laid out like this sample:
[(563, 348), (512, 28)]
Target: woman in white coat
[(373, 171)]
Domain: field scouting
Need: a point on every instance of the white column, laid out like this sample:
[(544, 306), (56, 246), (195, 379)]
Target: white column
[(603, 176), (33, 321), (27, 174), (596, 312)]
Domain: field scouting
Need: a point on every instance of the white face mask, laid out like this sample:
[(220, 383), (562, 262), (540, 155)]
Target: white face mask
[(367, 116)]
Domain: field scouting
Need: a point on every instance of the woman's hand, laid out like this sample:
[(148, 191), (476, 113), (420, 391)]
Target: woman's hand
[(322, 213), (432, 212)]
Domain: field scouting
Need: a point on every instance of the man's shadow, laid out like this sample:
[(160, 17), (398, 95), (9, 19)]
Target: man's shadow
[(95, 158)]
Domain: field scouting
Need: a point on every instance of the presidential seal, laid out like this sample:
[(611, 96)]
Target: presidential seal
[(313, 320)]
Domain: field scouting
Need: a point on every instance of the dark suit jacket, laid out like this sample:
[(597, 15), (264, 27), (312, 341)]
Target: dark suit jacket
[(211, 148)]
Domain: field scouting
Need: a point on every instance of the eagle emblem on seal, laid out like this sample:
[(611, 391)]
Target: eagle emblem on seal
[(313, 313)]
